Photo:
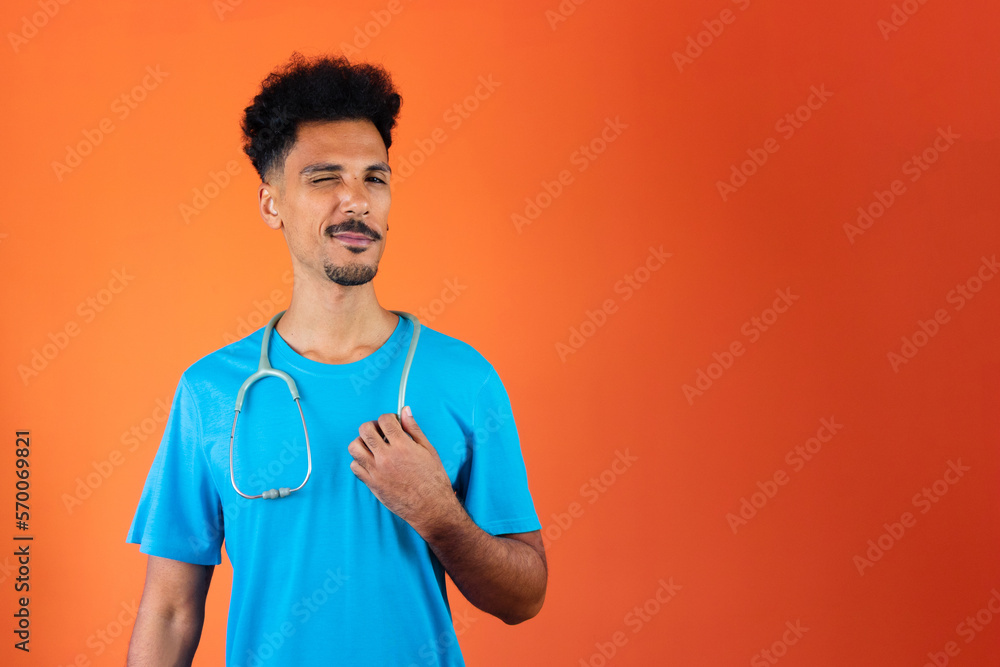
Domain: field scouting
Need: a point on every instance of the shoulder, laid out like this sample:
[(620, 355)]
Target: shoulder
[(452, 357), (219, 368)]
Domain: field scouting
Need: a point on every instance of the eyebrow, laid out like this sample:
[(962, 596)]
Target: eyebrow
[(330, 166)]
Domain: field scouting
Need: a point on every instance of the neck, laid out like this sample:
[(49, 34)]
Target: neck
[(333, 324)]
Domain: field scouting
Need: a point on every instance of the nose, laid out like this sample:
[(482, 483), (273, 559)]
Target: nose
[(354, 199)]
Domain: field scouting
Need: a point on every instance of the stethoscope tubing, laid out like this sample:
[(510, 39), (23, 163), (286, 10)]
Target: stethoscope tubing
[(264, 369)]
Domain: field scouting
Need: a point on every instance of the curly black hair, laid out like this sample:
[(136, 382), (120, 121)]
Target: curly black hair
[(322, 89)]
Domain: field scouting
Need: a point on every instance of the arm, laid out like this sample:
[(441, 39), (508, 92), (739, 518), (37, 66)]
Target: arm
[(503, 575), (171, 613)]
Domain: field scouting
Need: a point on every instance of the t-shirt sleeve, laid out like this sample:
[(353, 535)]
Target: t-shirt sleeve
[(497, 496), (180, 512)]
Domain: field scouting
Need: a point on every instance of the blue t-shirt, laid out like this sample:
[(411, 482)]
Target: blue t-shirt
[(328, 575)]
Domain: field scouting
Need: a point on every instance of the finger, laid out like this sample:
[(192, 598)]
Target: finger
[(371, 435), (413, 429), (389, 424), (360, 472), (359, 452)]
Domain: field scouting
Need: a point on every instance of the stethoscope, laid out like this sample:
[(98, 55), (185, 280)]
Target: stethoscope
[(264, 369)]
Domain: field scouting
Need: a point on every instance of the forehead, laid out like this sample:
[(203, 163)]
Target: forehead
[(342, 140)]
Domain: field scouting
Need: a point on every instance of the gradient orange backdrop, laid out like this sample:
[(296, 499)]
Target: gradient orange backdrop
[(685, 526)]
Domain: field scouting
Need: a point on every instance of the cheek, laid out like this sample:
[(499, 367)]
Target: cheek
[(381, 204), (308, 218)]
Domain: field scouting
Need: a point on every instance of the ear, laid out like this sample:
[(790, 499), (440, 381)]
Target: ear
[(268, 205)]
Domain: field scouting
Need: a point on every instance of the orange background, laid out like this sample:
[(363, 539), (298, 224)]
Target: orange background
[(558, 83)]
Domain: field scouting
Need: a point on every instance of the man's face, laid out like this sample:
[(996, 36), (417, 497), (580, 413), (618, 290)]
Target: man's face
[(332, 201)]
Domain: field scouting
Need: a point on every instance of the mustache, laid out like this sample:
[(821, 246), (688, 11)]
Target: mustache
[(353, 226)]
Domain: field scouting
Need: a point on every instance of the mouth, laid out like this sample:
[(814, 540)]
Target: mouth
[(356, 240)]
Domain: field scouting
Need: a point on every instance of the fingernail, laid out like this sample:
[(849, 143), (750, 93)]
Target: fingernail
[(408, 412)]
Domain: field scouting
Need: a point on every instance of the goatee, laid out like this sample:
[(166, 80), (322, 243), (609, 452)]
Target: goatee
[(350, 275)]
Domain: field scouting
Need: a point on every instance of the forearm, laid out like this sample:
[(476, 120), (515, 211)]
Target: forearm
[(502, 576), (163, 638)]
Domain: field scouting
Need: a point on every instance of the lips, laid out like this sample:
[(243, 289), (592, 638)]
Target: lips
[(353, 239)]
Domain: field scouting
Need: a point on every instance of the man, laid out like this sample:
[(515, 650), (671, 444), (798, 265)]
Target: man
[(349, 569)]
